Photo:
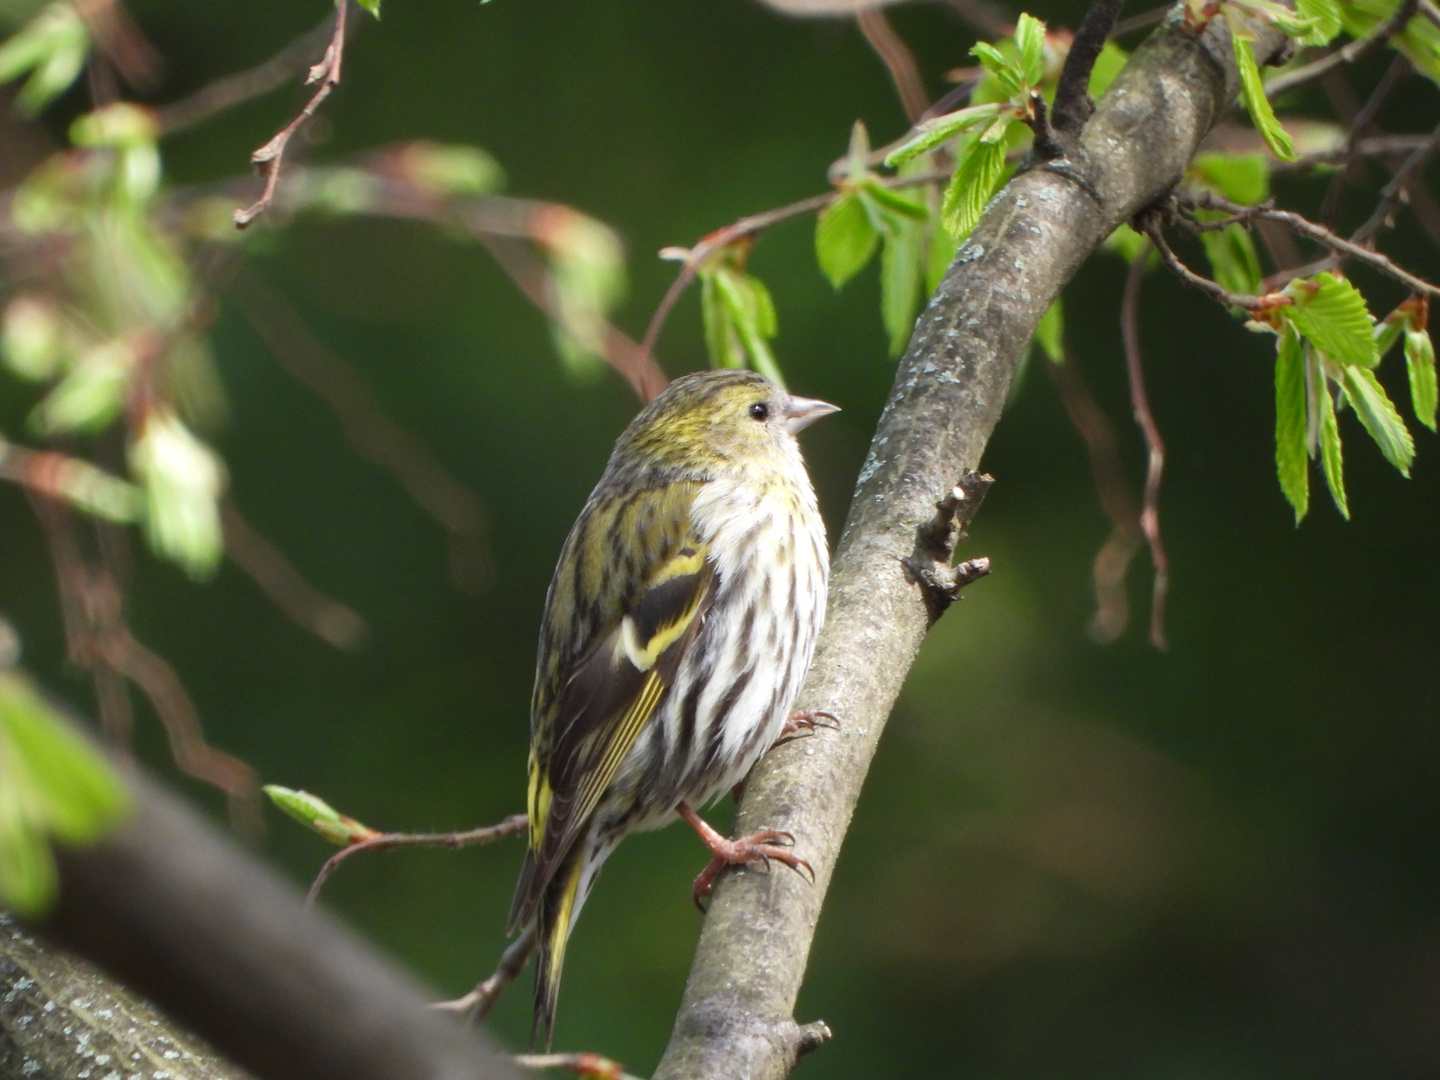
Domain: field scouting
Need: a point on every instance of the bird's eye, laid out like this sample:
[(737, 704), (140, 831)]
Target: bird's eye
[(760, 411)]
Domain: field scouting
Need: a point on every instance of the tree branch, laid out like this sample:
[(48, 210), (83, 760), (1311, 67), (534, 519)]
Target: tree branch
[(736, 1019)]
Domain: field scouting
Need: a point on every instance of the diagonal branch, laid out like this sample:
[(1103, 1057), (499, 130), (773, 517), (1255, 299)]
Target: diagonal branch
[(736, 1019)]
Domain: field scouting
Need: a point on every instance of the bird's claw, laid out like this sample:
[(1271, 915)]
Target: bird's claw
[(805, 721), (759, 847)]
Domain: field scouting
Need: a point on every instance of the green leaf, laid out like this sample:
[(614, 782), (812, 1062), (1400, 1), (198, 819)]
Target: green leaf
[(1330, 454), (1030, 40), (1380, 417), (1233, 259), (902, 266), (942, 253), (972, 186), (1291, 460), (845, 238), (739, 318), (1252, 92), (1331, 312), (53, 47), (53, 782), (894, 203), (1420, 362), (1324, 18), (372, 6), (939, 129), (92, 394), (1241, 178), (1390, 329), (183, 480), (1050, 334), (721, 340)]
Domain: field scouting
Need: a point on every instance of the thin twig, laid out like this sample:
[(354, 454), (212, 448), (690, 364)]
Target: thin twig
[(1155, 445), (231, 90), (990, 19), (898, 59), (1102, 447), (514, 825), (122, 41), (1349, 54), (268, 159), (1143, 21), (329, 620), (1073, 105), (369, 431), (1393, 192), (1215, 291), (476, 1005), (1303, 226)]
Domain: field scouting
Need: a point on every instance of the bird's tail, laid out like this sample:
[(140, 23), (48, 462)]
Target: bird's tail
[(554, 917)]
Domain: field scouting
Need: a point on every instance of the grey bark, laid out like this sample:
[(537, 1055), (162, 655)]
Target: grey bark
[(736, 1020), (63, 1019)]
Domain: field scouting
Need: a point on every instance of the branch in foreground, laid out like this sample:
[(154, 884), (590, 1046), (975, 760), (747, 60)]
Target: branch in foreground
[(737, 1016), (201, 928)]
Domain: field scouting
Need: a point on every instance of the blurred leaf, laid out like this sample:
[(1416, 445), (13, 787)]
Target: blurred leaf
[(1330, 454), (32, 338), (372, 6), (844, 238), (183, 480), (92, 394), (1233, 259), (1291, 460), (315, 813), (448, 169), (1324, 16), (1420, 363), (586, 281), (942, 251), (52, 47), (891, 203), (1127, 243), (1380, 417), (1252, 93), (739, 316), (972, 187), (902, 266), (1241, 178), (1108, 65), (1331, 312), (1050, 333), (52, 783)]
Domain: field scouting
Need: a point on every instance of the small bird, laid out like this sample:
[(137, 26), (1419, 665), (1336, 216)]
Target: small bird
[(678, 627)]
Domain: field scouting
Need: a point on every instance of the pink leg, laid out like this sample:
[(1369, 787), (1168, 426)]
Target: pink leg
[(761, 846)]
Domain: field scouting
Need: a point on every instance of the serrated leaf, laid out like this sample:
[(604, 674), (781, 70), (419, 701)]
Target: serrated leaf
[(1330, 455), (1324, 19), (1030, 40), (1233, 259), (1380, 417), (845, 238), (938, 129), (1420, 363), (1241, 178), (902, 265), (971, 187), (1291, 461), (1331, 313), (1050, 333), (1252, 93)]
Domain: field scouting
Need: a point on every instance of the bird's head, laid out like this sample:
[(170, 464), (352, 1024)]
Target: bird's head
[(717, 419)]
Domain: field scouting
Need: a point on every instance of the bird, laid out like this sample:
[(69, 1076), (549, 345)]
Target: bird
[(678, 626)]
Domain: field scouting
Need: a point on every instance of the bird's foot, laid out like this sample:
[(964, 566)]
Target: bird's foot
[(762, 846), (806, 721)]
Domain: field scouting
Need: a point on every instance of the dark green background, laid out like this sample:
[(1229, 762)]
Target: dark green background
[(1070, 860)]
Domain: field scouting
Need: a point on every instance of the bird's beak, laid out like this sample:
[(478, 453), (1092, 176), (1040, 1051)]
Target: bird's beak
[(805, 411)]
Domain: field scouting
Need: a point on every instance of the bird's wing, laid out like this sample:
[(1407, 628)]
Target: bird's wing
[(587, 723)]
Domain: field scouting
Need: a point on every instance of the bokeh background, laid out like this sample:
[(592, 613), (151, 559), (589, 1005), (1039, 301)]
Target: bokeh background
[(1071, 860)]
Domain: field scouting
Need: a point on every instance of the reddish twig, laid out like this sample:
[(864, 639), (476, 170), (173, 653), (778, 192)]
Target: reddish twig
[(514, 825), (122, 41), (585, 1064), (369, 431), (1102, 446), (476, 1005), (231, 90), (898, 60), (267, 566), (1393, 192), (1151, 228), (268, 159), (1150, 512)]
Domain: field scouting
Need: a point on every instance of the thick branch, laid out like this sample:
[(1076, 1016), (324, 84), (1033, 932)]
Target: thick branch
[(736, 1020)]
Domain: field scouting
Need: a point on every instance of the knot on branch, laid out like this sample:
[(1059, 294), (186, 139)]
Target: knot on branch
[(736, 1044), (929, 565)]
